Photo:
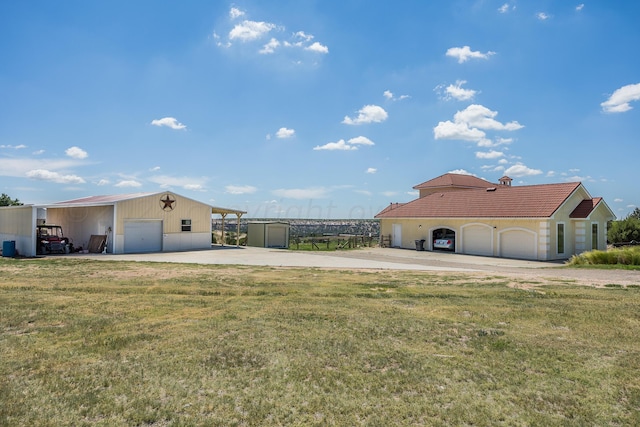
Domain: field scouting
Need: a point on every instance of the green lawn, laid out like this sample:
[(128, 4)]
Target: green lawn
[(120, 343)]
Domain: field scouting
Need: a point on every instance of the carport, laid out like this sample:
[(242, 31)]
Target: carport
[(223, 212)]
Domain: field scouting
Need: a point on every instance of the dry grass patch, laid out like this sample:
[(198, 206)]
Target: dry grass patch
[(122, 343)]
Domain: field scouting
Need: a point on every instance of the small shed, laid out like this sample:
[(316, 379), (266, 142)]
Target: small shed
[(268, 234)]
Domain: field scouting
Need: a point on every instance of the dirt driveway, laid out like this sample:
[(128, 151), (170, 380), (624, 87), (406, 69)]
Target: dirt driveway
[(533, 272)]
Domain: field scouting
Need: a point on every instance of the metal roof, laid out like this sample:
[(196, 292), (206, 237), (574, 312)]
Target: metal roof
[(109, 200)]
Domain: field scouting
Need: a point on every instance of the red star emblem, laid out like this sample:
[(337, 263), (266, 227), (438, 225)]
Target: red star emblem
[(167, 203)]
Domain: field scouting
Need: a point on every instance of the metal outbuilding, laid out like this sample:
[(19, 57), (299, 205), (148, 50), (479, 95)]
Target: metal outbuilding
[(140, 222), (268, 234)]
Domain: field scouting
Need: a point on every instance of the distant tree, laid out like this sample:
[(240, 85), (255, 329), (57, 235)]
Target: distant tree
[(635, 214), (5, 200)]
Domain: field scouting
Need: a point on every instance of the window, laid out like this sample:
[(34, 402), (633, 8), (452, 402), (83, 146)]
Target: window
[(186, 225), (560, 238), (594, 236)]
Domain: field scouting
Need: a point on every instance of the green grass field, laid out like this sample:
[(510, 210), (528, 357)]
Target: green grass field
[(123, 343)]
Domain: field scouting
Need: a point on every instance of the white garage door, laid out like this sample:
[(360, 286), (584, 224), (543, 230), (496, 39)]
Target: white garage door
[(277, 237), (142, 236), (476, 240), (518, 244)]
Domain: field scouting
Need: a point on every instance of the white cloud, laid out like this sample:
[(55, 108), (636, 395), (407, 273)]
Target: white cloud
[(340, 145), (461, 131), (367, 114), (542, 16), (270, 47), (188, 183), (125, 183), (169, 122), (389, 95), (235, 13), (38, 152), (506, 8), (578, 178), (580, 7), (103, 182), (371, 170), (76, 153), (302, 193), (250, 30), (469, 125), (389, 193), (240, 189), (619, 101), (18, 167), (462, 172), (284, 133), (479, 116), (489, 154), (503, 161), (361, 140), (618, 200), (463, 54), (15, 147), (456, 91), (317, 47), (47, 175), (519, 170), (154, 169), (551, 174)]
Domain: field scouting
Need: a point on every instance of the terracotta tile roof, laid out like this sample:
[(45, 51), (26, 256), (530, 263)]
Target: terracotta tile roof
[(104, 199), (454, 180), (584, 209), (496, 201)]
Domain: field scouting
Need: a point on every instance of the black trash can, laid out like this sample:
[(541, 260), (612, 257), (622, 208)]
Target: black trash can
[(420, 245)]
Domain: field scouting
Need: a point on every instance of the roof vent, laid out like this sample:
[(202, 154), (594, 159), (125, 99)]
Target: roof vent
[(491, 189)]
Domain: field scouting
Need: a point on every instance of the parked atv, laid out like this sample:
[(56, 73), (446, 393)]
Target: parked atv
[(51, 240)]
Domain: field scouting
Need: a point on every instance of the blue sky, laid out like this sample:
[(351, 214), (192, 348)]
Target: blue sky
[(316, 109)]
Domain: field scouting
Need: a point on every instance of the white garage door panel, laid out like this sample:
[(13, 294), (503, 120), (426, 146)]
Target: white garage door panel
[(518, 244), (142, 236), (277, 237), (476, 240)]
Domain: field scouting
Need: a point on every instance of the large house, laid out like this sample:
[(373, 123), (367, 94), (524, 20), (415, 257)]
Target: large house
[(477, 217)]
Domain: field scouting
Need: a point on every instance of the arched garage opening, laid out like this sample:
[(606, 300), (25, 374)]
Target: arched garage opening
[(443, 239)]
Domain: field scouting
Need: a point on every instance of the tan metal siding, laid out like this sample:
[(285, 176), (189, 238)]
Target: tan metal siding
[(150, 207)]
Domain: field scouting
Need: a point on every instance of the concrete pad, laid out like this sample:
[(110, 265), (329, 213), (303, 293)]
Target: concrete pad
[(367, 258)]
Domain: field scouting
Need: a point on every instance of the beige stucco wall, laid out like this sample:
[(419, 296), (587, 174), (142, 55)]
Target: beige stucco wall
[(421, 228)]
